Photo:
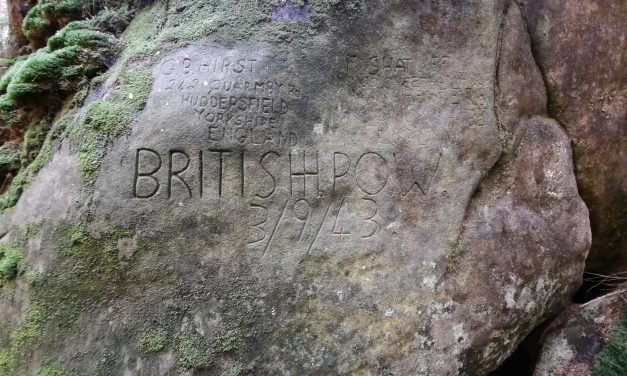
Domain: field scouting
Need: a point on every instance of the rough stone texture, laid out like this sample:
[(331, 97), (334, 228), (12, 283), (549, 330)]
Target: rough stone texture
[(581, 47), (16, 9), (383, 194), (574, 340)]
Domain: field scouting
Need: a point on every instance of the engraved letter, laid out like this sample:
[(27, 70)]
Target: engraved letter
[(221, 172), (304, 174), (374, 166), (336, 162), (261, 161), (147, 175), (172, 173)]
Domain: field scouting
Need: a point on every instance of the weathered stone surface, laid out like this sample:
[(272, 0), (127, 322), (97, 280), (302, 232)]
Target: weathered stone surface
[(16, 10), (380, 194), (575, 339), (582, 49)]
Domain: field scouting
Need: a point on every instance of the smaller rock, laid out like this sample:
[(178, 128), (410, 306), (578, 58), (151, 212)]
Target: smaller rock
[(574, 341)]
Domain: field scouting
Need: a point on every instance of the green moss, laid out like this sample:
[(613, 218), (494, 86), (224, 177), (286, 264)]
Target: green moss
[(151, 341), (138, 38), (193, 353), (31, 229), (86, 272), (50, 15), (136, 87), (612, 360), (20, 338), (14, 262), (89, 160), (10, 261), (42, 19), (32, 276), (88, 252), (235, 371), (28, 173), (29, 331), (191, 31), (107, 118), (57, 70), (455, 257), (9, 158), (7, 77), (33, 140), (52, 370), (7, 363), (80, 33)]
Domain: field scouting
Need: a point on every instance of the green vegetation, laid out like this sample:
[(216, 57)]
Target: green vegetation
[(32, 142), (9, 158), (152, 341), (612, 361), (11, 256), (193, 353), (74, 53), (136, 87), (42, 20), (28, 172), (102, 120), (10, 261), (52, 370), (87, 270), (19, 338), (107, 118)]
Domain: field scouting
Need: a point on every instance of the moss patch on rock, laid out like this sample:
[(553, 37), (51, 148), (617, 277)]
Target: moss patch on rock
[(73, 54), (107, 119), (86, 271), (9, 158), (613, 359), (152, 341), (20, 338), (10, 261), (52, 370), (28, 171)]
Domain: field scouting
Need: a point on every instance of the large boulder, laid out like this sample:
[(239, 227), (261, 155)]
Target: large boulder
[(581, 48), (298, 188)]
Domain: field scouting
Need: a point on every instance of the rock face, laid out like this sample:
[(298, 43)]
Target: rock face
[(582, 49), (302, 188), (576, 338), (16, 10)]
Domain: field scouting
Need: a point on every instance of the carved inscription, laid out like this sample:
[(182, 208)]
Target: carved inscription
[(316, 158), (234, 97), (232, 173), (303, 196)]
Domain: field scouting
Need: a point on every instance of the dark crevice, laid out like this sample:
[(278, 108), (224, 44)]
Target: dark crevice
[(523, 360), (497, 68), (597, 285)]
